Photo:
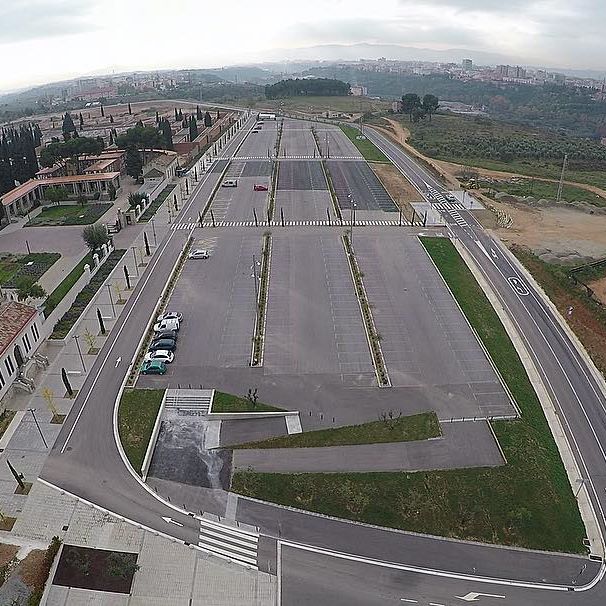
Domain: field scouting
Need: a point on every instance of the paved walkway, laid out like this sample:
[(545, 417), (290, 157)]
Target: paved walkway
[(462, 445)]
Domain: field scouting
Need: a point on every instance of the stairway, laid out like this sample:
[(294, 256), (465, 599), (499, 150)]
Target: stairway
[(189, 401)]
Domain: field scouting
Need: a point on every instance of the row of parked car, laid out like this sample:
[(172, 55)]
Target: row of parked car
[(161, 350)]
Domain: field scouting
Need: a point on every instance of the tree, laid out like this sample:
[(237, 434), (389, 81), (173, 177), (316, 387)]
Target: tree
[(167, 134), (28, 289), (180, 114), (140, 137), (56, 194), (81, 199), (430, 104), (134, 163), (136, 198), (121, 565), (111, 191), (410, 102), (130, 110), (208, 120), (71, 148), (111, 119), (111, 138), (218, 115), (157, 118), (95, 236), (193, 128), (418, 113), (198, 113), (68, 128), (102, 112), (176, 115), (81, 121)]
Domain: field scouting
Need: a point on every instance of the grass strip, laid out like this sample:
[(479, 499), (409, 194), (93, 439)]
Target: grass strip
[(5, 420), (69, 214), (259, 336), (85, 296), (404, 429), (366, 147), (65, 286), (151, 210), (527, 503), (226, 402), (137, 414), (274, 185)]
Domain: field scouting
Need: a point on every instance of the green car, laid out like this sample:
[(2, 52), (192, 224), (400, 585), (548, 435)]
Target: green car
[(153, 367)]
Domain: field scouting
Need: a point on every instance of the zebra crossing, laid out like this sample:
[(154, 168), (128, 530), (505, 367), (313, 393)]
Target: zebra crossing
[(458, 218), (227, 542), (311, 223), (449, 206)]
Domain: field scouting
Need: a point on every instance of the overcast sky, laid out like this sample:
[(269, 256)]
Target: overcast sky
[(45, 40)]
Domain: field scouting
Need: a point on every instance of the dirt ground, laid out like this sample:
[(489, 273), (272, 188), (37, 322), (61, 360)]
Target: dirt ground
[(554, 234), (599, 289), (399, 188), (7, 553)]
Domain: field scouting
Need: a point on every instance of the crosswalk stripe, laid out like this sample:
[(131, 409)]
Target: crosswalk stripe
[(227, 554), (241, 546), (228, 529)]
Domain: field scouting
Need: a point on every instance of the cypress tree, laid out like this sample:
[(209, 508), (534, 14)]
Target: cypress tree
[(134, 164), (176, 115), (208, 120), (68, 127), (102, 112), (193, 128), (130, 110)]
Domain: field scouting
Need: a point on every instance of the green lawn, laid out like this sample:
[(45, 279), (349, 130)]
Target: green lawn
[(150, 211), (69, 214), (32, 266), (64, 287), (405, 429), (137, 414), (5, 419), (542, 189), (225, 402), (316, 105), (527, 503), (365, 146)]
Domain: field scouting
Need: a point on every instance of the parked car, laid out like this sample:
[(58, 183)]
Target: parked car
[(163, 355), (166, 344), (170, 315), (260, 187), (199, 253), (166, 334), (153, 367), (168, 324)]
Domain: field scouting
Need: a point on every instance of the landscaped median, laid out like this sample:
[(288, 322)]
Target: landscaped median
[(85, 296), (137, 413), (401, 429), (528, 502), (226, 403), (150, 211), (259, 336), (66, 284)]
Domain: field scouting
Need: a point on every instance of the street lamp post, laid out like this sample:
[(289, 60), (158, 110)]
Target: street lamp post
[(76, 337), (38, 426)]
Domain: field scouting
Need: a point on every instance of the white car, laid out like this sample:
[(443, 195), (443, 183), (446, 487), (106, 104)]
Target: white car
[(170, 315), (162, 355), (167, 324), (199, 253)]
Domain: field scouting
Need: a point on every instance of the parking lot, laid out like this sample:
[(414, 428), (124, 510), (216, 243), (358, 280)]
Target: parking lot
[(217, 299), (258, 144), (426, 340), (358, 180), (297, 139), (313, 320), (334, 142)]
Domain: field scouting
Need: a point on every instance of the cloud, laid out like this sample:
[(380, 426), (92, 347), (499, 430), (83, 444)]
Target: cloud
[(23, 20)]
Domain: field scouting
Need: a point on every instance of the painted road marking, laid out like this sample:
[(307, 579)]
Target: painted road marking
[(518, 286), (474, 596), (235, 544), (407, 600), (169, 520), (118, 360)]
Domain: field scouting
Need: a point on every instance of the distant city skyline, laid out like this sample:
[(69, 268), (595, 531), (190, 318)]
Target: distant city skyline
[(51, 40)]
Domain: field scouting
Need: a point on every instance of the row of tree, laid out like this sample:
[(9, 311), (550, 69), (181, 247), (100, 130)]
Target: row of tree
[(323, 87), (18, 161), (418, 108)]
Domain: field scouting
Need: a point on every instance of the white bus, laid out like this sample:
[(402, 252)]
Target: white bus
[(263, 116)]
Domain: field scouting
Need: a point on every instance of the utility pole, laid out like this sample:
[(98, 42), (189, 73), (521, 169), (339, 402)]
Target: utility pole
[(561, 183)]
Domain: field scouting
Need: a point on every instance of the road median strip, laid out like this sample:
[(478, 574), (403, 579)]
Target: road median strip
[(261, 308), (373, 337)]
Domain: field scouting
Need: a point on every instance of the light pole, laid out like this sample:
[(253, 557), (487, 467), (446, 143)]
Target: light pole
[(135, 258), (254, 276), (76, 337), (38, 426), (109, 291)]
